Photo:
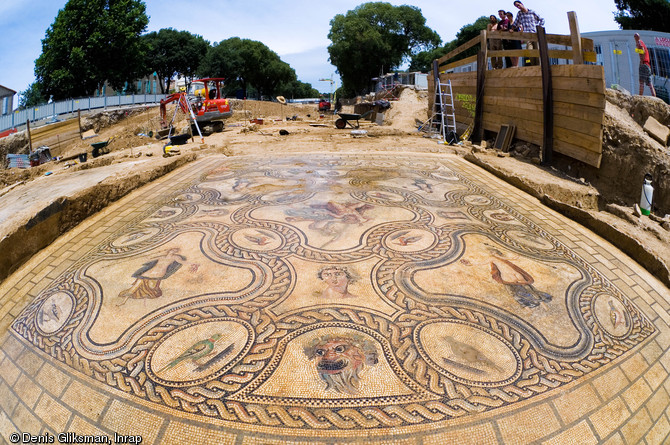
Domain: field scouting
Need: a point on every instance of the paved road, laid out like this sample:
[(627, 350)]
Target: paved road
[(332, 298)]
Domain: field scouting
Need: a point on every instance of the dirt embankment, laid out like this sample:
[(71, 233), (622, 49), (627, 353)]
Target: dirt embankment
[(628, 153)]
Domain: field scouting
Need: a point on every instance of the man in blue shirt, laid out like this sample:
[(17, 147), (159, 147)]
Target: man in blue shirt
[(527, 20)]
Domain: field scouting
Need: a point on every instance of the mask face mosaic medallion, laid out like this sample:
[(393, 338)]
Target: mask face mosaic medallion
[(322, 292)]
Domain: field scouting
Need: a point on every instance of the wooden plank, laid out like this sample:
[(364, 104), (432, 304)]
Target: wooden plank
[(590, 71), (586, 141), (492, 122), (474, 41), (30, 139), (579, 133), (576, 38), (582, 112), (516, 73), (577, 125), (523, 93), (514, 53), (561, 83), (534, 118), (524, 118), (557, 39), (596, 100), (579, 113), (587, 157), (460, 83), (554, 53), (458, 63)]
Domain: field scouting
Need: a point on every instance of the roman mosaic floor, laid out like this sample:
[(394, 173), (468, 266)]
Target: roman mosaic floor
[(334, 298)]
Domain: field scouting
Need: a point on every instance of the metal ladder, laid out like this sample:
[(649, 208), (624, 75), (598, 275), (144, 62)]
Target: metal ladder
[(444, 116)]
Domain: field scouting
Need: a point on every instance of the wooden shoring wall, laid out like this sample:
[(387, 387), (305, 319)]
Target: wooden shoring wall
[(574, 109), (514, 97)]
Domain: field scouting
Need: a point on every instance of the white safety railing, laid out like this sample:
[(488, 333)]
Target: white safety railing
[(54, 109)]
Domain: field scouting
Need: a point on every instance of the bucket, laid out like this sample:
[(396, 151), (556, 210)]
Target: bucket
[(82, 157)]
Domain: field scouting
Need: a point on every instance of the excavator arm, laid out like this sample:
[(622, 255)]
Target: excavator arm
[(183, 104)]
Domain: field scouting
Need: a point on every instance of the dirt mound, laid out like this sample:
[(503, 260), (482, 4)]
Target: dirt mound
[(411, 106), (628, 153), (16, 143)]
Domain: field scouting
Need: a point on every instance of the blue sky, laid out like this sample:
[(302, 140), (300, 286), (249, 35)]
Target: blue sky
[(296, 30)]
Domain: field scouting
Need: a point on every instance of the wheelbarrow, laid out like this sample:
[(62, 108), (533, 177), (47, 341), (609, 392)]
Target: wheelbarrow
[(345, 119), (100, 148)]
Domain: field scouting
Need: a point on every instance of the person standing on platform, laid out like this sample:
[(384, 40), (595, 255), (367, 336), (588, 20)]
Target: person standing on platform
[(527, 20), (503, 25), (645, 65), (495, 44), (513, 44)]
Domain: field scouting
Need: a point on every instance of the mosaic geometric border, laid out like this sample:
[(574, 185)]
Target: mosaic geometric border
[(399, 223)]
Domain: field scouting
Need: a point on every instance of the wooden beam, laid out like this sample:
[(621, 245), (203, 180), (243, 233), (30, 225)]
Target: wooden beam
[(461, 62), (30, 139), (79, 121), (482, 65), (547, 98), (576, 37), (559, 39), (474, 41)]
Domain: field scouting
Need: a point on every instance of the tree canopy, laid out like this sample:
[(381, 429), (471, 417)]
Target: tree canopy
[(246, 63), (653, 15), (90, 42), (375, 38), (31, 97), (423, 61), (171, 53)]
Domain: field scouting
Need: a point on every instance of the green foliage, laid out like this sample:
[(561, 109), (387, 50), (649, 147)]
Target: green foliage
[(246, 63), (171, 53), (653, 15), (423, 61), (373, 38), (296, 89), (31, 97), (90, 42)]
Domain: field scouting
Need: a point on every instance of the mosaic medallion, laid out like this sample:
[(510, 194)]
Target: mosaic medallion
[(333, 292)]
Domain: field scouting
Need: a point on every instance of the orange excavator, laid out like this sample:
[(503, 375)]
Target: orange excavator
[(208, 106)]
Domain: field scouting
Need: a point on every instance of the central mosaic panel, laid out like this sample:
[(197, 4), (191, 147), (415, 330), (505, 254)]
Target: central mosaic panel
[(333, 292)]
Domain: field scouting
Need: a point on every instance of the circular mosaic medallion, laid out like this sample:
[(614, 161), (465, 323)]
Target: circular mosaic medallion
[(468, 353), (258, 239), (136, 237), (477, 200), (199, 352), (611, 315), (54, 312), (409, 240)]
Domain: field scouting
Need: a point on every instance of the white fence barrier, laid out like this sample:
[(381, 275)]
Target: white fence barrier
[(54, 109)]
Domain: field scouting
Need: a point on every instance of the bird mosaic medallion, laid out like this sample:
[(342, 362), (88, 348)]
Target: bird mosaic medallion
[(324, 292)]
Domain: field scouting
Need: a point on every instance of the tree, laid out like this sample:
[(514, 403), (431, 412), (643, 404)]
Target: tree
[(296, 89), (653, 15), (245, 63), (31, 97), (90, 42), (171, 53), (376, 37), (423, 61)]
